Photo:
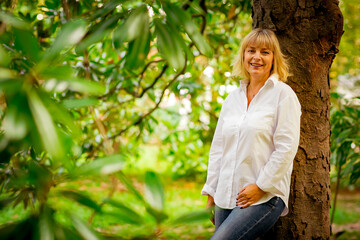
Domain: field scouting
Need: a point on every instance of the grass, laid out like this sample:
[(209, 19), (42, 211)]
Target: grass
[(347, 215)]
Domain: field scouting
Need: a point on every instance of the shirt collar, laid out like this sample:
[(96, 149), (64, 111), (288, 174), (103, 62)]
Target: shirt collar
[(273, 79)]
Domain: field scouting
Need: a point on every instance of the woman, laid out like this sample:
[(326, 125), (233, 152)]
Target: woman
[(254, 145)]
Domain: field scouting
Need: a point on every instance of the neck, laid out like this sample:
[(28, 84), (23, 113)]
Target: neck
[(256, 82)]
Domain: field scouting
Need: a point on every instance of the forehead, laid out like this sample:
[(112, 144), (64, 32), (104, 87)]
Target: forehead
[(260, 41), (259, 46), (257, 43)]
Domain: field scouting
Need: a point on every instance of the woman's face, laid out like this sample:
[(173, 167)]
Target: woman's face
[(258, 61)]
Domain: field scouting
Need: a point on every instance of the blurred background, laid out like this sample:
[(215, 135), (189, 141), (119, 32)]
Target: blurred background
[(108, 109)]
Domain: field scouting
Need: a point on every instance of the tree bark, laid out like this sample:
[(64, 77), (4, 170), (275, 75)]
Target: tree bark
[(309, 33)]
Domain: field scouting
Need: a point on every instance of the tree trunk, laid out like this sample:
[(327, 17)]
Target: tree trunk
[(309, 33)]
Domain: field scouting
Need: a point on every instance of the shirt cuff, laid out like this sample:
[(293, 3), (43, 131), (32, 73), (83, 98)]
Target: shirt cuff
[(207, 190), (265, 184)]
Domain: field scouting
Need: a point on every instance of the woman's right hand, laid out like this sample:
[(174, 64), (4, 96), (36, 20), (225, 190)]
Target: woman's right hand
[(209, 205)]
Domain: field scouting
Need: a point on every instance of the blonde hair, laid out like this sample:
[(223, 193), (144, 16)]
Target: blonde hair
[(267, 38)]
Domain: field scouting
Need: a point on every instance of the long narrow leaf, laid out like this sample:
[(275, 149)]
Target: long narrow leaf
[(99, 32), (10, 19), (79, 103), (81, 198), (124, 213), (101, 166), (70, 34), (138, 50), (26, 43), (154, 191), (46, 225), (180, 17), (192, 217), (6, 74), (133, 27), (61, 78), (169, 43), (86, 86), (4, 58), (45, 126), (83, 229), (5, 202), (130, 187), (108, 7), (15, 123), (60, 115)]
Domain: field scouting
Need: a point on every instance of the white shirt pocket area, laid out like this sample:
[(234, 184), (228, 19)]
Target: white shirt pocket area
[(262, 120)]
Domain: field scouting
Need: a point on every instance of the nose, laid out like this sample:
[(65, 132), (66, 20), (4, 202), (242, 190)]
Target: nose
[(257, 55)]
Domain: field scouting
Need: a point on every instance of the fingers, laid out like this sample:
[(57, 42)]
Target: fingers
[(244, 203)]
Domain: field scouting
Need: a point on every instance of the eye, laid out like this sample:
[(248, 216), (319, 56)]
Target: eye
[(266, 52), (251, 50)]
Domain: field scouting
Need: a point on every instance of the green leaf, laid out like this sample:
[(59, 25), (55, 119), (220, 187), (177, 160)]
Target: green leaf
[(75, 84), (79, 103), (138, 50), (124, 213), (6, 74), (159, 216), (81, 198), (170, 44), (10, 19), (86, 86), (101, 166), (46, 224), (179, 17), (26, 229), (60, 115), (84, 229), (71, 33), (15, 122), (107, 8), (98, 32), (346, 133), (45, 126), (140, 46), (4, 59), (27, 44), (130, 187), (154, 191), (6, 201), (196, 216), (134, 27)]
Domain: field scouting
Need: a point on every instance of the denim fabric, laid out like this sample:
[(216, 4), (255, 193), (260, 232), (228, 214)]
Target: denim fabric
[(246, 223)]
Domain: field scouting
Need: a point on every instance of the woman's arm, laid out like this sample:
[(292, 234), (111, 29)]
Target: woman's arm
[(286, 141), (215, 156)]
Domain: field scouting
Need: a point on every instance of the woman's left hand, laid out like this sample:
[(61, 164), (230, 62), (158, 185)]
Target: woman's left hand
[(249, 195)]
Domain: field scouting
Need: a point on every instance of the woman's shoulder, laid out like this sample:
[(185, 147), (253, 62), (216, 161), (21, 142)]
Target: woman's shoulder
[(233, 94), (286, 90)]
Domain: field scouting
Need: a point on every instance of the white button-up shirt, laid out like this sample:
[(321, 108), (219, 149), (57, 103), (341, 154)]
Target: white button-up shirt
[(255, 144)]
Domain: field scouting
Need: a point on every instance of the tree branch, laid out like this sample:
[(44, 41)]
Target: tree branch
[(155, 81), (145, 68), (66, 9), (141, 118)]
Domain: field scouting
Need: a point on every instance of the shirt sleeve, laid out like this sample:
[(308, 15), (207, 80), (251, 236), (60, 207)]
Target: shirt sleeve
[(214, 164), (286, 141)]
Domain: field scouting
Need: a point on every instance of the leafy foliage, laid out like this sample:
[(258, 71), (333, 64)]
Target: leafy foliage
[(345, 142), (79, 85)]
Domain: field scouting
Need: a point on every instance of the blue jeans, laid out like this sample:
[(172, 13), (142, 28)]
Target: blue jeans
[(246, 223)]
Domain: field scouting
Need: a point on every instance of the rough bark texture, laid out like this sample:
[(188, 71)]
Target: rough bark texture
[(309, 33)]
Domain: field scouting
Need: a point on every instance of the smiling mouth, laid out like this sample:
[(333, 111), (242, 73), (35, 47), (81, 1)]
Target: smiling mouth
[(256, 65)]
